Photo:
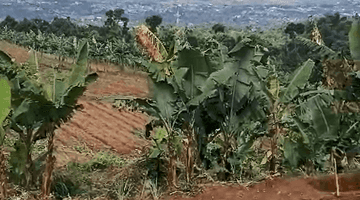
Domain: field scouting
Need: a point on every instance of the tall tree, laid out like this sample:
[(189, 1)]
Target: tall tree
[(218, 28), (114, 17), (112, 23), (9, 22), (153, 22)]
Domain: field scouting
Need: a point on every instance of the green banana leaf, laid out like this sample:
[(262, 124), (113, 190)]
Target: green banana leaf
[(5, 97), (326, 123), (297, 80), (354, 39)]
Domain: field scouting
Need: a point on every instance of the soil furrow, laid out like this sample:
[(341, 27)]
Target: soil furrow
[(108, 113), (96, 119), (76, 132), (89, 130)]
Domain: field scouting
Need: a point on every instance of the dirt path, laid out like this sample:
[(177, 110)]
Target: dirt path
[(316, 188)]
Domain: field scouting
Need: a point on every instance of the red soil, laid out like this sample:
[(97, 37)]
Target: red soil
[(21, 54), (320, 188), (101, 127), (98, 124)]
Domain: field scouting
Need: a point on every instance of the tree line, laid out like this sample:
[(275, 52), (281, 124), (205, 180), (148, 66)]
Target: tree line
[(64, 26)]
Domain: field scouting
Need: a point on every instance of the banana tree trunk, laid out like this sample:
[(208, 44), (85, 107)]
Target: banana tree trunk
[(172, 178), (188, 142), (274, 131), (3, 179), (29, 163), (189, 159), (50, 162)]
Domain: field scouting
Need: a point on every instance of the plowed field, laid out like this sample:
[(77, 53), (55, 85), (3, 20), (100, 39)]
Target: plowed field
[(98, 124)]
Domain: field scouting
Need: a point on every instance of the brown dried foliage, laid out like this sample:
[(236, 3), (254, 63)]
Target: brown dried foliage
[(172, 178), (147, 42), (3, 179), (336, 77), (316, 37), (336, 73)]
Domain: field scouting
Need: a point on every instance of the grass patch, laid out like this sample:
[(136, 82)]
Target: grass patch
[(101, 161), (83, 148)]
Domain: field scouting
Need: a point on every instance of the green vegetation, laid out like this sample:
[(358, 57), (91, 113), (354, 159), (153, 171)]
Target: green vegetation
[(37, 108), (153, 22), (221, 88), (217, 91), (61, 37)]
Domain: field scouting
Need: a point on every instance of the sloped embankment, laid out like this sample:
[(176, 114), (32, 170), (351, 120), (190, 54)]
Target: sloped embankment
[(98, 124)]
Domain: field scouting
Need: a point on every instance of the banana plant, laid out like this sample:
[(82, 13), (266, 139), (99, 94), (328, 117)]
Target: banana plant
[(280, 99), (195, 80), (313, 118), (165, 97), (36, 114)]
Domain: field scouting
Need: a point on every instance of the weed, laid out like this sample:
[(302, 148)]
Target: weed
[(102, 160), (64, 185), (138, 133), (154, 189), (123, 189)]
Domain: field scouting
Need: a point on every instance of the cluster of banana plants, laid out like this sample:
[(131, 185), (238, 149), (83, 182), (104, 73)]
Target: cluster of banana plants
[(48, 43), (313, 128), (37, 110), (114, 50), (218, 93), (231, 95)]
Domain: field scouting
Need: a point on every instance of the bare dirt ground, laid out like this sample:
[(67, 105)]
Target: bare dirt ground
[(100, 126), (299, 188)]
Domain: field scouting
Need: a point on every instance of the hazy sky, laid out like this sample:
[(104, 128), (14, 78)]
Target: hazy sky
[(282, 2), (172, 3), (275, 2)]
